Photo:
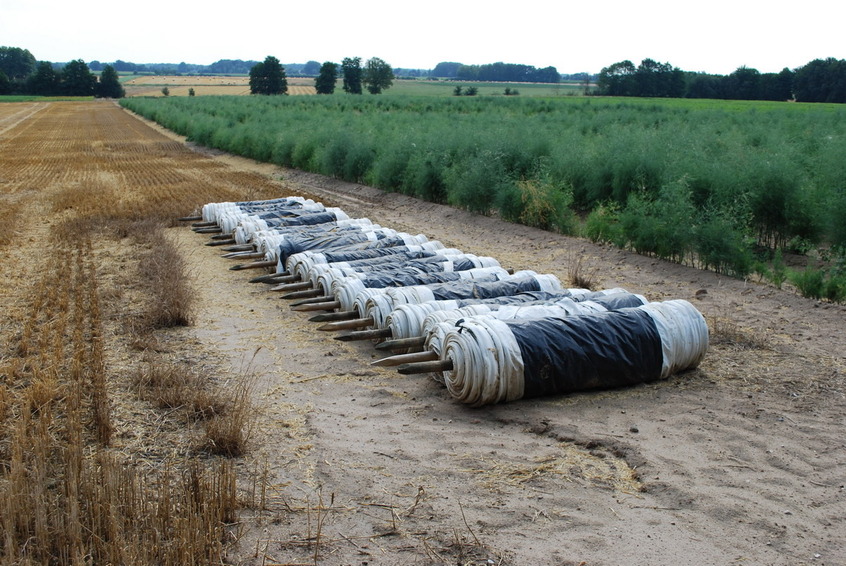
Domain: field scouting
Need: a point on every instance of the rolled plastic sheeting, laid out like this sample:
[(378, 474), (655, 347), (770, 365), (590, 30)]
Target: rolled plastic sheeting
[(212, 211), (382, 238), (301, 263), (380, 306), (328, 272), (327, 278), (437, 324), (495, 361), (353, 294), (406, 320)]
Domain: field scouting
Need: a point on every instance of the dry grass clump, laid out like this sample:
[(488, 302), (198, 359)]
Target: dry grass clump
[(724, 331), (580, 275)]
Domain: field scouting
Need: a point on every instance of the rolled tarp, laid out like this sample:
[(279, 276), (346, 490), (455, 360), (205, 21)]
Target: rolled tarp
[(302, 262), (495, 361), (379, 306), (406, 320), (438, 324)]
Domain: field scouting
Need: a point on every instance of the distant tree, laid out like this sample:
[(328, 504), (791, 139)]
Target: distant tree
[(16, 63), (109, 85), (310, 69), (821, 81), (325, 81), (446, 70), (191, 92), (44, 81), (268, 77), (744, 84), (5, 84), (95, 66), (457, 90), (351, 70), (471, 91), (378, 75), (617, 79), (165, 91), (77, 79)]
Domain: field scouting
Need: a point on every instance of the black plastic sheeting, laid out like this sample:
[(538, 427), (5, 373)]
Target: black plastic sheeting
[(306, 219), (484, 290), (352, 241), (602, 350), (409, 277), (334, 256)]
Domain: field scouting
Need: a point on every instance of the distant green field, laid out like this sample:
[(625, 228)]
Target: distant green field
[(422, 87)]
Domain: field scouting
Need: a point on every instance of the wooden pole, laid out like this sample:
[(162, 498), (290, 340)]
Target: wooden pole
[(253, 265), (210, 230), (400, 359), (240, 248), (347, 324), (189, 218), (327, 306), (426, 367), (243, 255), (222, 236), (414, 343), (313, 300), (377, 334), (301, 286), (221, 242), (202, 224), (303, 295), (268, 278), (334, 316)]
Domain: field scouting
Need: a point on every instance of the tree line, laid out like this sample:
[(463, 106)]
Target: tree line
[(20, 73), (817, 81), (269, 77)]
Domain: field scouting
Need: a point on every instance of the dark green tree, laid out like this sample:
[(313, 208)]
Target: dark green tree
[(821, 81), (268, 77), (617, 79), (109, 85), (77, 79), (325, 81), (5, 84), (446, 70), (45, 80), (310, 69), (378, 75), (351, 70), (16, 63)]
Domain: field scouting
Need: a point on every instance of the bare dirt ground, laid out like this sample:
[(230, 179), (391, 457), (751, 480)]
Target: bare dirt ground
[(739, 461)]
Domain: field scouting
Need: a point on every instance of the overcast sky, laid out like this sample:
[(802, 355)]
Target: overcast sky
[(717, 36)]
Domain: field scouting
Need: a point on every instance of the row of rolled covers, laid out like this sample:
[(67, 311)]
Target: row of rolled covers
[(495, 335)]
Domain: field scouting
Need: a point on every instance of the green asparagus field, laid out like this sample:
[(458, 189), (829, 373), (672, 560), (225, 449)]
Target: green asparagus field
[(718, 184)]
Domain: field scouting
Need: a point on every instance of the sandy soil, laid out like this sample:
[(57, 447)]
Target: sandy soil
[(739, 461)]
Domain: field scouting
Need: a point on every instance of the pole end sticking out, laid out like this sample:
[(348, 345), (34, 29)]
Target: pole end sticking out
[(357, 335), (347, 324), (426, 367), (189, 218), (221, 242), (334, 316), (327, 306), (414, 343), (407, 359)]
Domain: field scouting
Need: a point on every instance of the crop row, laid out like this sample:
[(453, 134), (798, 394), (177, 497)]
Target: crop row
[(705, 182)]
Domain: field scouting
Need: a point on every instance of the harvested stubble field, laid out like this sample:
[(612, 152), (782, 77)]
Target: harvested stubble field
[(739, 461), (205, 85)]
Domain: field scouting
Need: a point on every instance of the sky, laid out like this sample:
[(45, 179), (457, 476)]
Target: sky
[(717, 36)]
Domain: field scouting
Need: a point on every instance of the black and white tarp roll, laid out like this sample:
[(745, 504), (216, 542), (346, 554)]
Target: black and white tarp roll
[(495, 361)]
